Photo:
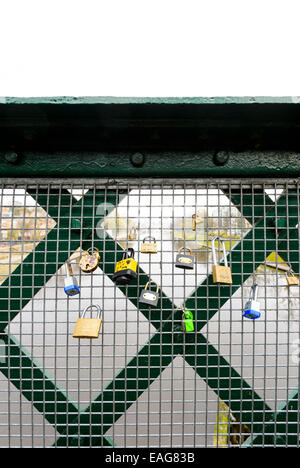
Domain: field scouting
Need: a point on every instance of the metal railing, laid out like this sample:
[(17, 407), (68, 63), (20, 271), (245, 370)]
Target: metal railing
[(144, 382)]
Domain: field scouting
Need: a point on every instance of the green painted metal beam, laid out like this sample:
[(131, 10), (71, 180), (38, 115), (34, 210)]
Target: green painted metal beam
[(119, 164), (47, 127)]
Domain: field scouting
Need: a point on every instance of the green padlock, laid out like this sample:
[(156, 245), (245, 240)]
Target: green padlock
[(187, 321)]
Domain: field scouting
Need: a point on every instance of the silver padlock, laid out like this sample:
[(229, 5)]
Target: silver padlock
[(71, 285), (252, 307), (183, 260), (149, 297)]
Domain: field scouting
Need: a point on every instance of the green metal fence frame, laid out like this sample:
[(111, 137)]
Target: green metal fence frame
[(267, 427)]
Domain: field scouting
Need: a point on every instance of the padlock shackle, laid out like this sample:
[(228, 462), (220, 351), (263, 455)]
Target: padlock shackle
[(184, 312), (290, 272), (147, 285), (130, 252), (187, 314), (68, 269), (149, 238), (253, 292), (184, 249), (93, 249), (213, 246), (99, 314)]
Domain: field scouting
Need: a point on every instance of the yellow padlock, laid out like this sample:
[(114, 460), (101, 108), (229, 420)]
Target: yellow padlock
[(125, 269), (221, 274), (88, 327)]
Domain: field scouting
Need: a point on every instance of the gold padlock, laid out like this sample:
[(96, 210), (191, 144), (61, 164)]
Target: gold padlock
[(89, 262), (132, 234), (88, 327), (196, 220), (291, 279), (221, 274), (149, 247)]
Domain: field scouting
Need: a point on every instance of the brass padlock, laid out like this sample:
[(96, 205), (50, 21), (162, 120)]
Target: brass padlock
[(291, 279), (221, 274), (196, 220), (89, 262), (88, 327), (125, 269), (183, 260), (149, 297), (149, 247), (132, 234)]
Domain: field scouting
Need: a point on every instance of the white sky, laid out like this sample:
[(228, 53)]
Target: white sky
[(149, 48)]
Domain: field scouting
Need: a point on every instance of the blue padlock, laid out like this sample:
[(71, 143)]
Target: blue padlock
[(251, 309), (71, 285)]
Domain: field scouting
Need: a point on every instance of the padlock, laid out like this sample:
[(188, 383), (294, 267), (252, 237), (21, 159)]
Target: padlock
[(71, 285), (196, 220), (88, 327), (187, 321), (125, 269), (251, 309), (291, 279), (149, 247), (89, 262), (185, 261), (132, 234), (221, 274), (149, 297)]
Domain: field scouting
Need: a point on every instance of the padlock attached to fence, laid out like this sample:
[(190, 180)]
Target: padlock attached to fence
[(184, 260), (89, 261), (252, 307), (71, 285), (196, 220), (291, 279), (132, 234), (149, 297), (88, 327), (125, 269), (149, 247), (221, 274), (187, 321)]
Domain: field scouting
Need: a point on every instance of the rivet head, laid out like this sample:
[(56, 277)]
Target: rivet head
[(137, 159), (221, 158), (11, 157)]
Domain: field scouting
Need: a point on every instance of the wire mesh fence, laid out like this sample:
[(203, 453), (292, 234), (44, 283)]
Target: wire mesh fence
[(146, 382)]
